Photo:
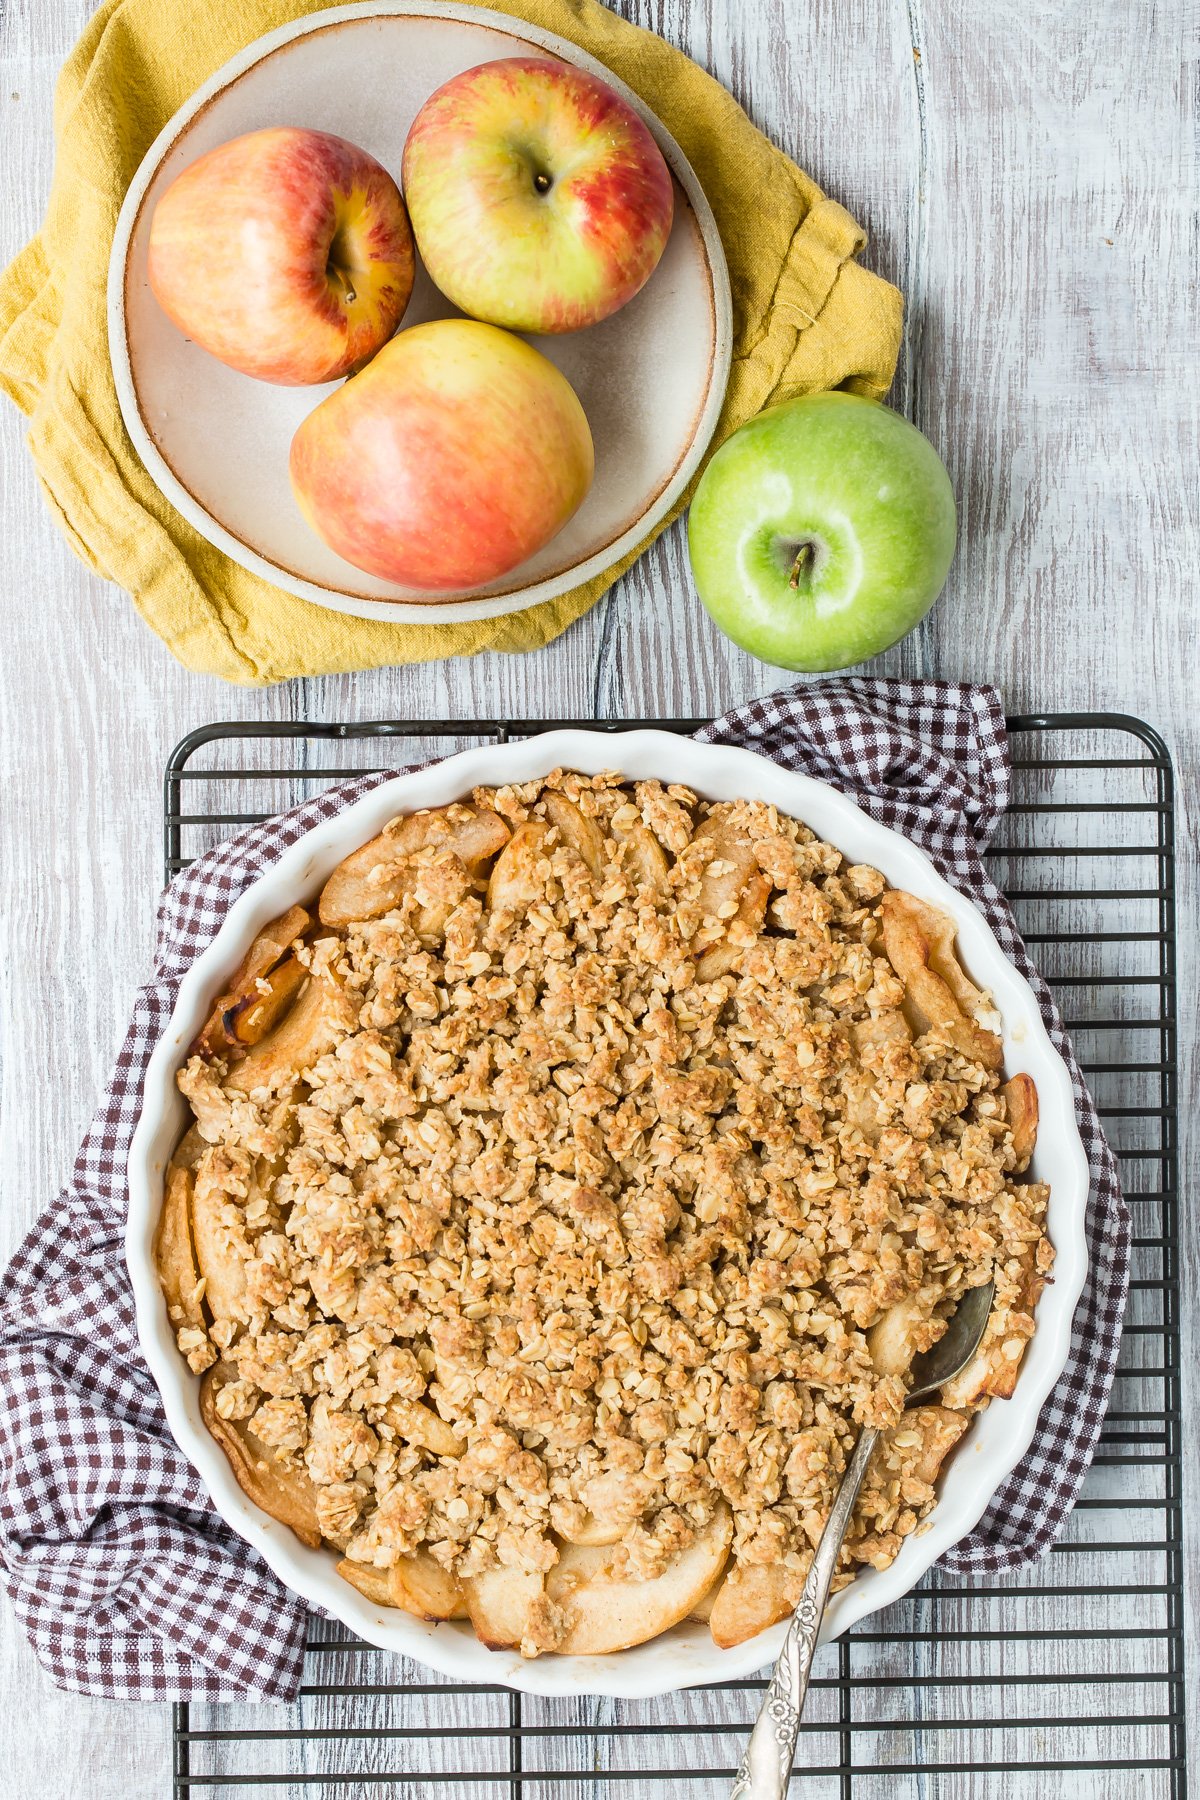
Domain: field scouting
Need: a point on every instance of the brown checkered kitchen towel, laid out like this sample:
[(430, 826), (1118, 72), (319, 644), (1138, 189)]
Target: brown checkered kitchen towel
[(128, 1584)]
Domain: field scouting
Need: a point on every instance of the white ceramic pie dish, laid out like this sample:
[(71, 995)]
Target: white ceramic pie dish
[(997, 1439)]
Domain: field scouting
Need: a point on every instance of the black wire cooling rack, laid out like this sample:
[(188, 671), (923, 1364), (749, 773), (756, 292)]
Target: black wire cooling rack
[(1066, 1680)]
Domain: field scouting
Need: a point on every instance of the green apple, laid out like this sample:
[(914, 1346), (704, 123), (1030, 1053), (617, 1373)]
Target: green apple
[(822, 531)]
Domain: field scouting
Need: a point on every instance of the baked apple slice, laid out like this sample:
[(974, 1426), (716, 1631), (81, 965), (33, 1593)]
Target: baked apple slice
[(992, 1371), (575, 1525), (175, 1252), (752, 1597), (420, 1425), (643, 858), (499, 1604), (702, 1611), (190, 1148), (221, 1247), (751, 911), (373, 880), (518, 879), (1021, 1101), (918, 941), (320, 1017), (228, 1026), (252, 1017), (418, 1584), (732, 887), (881, 1029), (606, 1613), (375, 1584), (724, 877), (578, 832), (287, 1494), (938, 1429), (890, 1340)]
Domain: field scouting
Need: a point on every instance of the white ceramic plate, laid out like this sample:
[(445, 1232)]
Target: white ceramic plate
[(997, 1439), (651, 378)]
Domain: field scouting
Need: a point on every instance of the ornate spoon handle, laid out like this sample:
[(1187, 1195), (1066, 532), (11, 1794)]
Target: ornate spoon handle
[(767, 1765)]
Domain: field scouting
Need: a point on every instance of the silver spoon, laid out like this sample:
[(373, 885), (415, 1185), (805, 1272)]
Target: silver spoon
[(767, 1765)]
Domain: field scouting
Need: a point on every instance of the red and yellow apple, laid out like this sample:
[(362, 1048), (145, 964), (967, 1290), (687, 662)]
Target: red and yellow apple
[(286, 253), (539, 200), (453, 456)]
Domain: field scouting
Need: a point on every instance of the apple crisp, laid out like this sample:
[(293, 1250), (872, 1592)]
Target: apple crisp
[(568, 1190)]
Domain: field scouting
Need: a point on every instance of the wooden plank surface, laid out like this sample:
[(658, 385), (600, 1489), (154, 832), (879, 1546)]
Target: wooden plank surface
[(1028, 176)]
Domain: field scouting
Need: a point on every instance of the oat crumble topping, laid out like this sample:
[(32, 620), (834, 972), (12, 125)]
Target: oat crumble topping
[(582, 1214)]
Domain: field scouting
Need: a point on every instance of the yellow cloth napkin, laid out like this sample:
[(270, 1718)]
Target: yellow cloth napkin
[(806, 316)]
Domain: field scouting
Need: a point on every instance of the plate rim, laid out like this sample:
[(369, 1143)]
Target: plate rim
[(434, 610), (684, 1657)]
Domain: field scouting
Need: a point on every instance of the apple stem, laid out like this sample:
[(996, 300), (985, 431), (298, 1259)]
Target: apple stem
[(343, 281), (803, 562)]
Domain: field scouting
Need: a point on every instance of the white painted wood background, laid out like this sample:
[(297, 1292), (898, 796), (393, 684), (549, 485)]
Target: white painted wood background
[(1027, 174)]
